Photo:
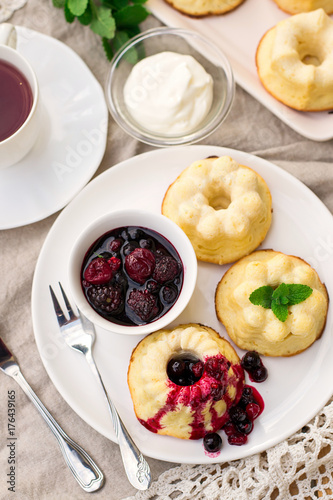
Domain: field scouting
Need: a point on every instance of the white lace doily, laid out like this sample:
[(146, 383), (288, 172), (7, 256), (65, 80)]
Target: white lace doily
[(300, 468), (8, 7)]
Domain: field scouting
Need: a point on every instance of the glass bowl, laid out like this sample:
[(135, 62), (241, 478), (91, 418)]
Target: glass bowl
[(145, 220), (180, 41)]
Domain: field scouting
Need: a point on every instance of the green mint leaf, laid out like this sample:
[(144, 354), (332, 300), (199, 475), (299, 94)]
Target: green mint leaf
[(115, 4), (262, 296), (86, 17), (69, 16), (107, 3), (60, 4), (120, 38), (280, 310), (298, 293), (77, 7), (131, 15), (107, 48), (139, 1), (281, 293), (103, 23)]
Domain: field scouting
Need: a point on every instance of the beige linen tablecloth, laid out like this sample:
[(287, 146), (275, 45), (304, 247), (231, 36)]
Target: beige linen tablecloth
[(40, 469)]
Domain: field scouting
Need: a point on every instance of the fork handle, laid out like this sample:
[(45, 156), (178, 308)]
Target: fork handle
[(136, 467), (83, 468)]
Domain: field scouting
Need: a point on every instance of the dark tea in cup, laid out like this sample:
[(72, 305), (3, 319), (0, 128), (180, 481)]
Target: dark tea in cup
[(20, 105), (16, 99)]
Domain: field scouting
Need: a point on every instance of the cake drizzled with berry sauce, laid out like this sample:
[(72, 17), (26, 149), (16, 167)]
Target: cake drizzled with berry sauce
[(205, 387), (183, 381), (188, 382), (132, 275)]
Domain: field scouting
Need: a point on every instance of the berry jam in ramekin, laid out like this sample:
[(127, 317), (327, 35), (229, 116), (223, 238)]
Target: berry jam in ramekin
[(132, 275)]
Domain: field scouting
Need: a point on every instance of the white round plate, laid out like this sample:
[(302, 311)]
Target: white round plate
[(297, 387), (72, 141)]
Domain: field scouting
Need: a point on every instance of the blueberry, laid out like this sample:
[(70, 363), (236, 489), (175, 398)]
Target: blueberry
[(169, 294), (212, 442), (135, 233), (237, 414), (259, 374), (246, 397), (180, 370), (245, 426), (250, 360), (152, 286), (147, 243), (175, 367), (116, 244), (217, 391), (129, 247)]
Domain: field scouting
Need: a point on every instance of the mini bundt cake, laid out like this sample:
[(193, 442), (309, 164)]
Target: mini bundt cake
[(198, 8), (298, 6), (183, 381), (223, 207), (255, 327), (295, 61)]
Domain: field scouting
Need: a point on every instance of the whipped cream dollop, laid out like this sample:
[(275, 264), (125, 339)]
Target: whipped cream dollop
[(169, 93)]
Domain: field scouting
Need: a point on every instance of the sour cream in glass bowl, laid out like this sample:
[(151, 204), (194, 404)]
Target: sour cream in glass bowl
[(169, 86)]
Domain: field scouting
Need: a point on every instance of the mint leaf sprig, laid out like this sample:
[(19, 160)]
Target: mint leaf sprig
[(115, 21), (279, 299)]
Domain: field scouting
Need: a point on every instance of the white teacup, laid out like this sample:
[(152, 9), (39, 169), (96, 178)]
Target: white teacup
[(19, 142)]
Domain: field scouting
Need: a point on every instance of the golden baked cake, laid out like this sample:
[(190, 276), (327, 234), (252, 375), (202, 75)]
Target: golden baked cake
[(183, 381), (200, 8), (223, 207), (295, 61), (256, 327), (297, 6)]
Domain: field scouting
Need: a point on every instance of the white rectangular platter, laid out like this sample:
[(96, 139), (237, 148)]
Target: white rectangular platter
[(237, 34)]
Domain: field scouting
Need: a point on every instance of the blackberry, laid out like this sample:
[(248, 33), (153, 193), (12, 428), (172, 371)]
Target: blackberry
[(166, 268), (107, 298), (143, 303)]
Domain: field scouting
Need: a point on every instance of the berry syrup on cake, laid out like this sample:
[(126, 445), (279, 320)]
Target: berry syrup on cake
[(200, 385), (188, 382), (132, 275)]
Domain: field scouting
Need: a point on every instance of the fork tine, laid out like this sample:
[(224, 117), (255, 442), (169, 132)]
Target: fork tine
[(62, 320), (69, 307)]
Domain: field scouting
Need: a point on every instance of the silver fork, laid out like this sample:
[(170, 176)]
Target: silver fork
[(83, 468), (79, 334)]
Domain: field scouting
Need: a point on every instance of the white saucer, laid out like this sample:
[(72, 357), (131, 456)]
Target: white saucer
[(72, 141)]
